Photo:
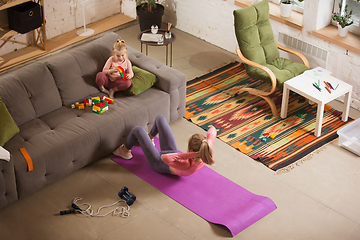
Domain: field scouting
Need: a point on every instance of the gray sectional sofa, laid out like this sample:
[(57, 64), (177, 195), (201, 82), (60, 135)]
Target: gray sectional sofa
[(60, 139)]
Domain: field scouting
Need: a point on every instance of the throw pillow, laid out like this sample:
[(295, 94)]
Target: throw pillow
[(8, 127), (141, 81)]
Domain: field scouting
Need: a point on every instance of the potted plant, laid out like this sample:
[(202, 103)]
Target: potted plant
[(150, 13), (343, 20), (286, 7)]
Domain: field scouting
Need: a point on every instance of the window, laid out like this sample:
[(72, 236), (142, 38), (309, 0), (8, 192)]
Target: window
[(355, 6), (297, 6)]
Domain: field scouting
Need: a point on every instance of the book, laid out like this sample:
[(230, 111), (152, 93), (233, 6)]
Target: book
[(150, 37)]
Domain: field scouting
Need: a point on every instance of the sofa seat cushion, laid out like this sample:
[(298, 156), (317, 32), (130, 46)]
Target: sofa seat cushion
[(56, 152), (67, 139)]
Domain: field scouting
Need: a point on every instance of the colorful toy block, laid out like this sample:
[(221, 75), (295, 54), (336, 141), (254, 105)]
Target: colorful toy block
[(81, 106), (95, 98), (122, 73), (100, 107), (95, 101), (109, 100), (88, 102)]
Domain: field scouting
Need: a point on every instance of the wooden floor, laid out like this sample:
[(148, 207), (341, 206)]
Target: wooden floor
[(32, 52)]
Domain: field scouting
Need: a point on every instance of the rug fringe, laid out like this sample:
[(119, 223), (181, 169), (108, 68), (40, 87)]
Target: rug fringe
[(302, 160)]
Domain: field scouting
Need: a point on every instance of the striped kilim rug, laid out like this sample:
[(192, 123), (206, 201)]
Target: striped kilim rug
[(245, 122)]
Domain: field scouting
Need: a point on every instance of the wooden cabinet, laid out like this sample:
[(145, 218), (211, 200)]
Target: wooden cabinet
[(6, 34)]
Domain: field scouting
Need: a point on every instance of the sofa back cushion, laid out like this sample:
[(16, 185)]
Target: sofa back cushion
[(29, 92), (93, 56), (69, 79), (75, 70)]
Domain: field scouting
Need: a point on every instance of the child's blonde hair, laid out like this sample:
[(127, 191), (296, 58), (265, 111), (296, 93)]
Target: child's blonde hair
[(119, 45), (198, 143)]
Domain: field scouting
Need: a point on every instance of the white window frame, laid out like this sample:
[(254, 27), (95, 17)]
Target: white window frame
[(354, 27)]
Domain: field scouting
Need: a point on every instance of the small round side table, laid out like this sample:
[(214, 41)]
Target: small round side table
[(166, 43)]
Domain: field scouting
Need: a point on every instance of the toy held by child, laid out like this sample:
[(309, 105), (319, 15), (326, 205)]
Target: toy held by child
[(122, 73), (112, 79), (169, 160)]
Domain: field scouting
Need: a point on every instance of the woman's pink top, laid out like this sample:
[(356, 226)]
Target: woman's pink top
[(184, 164), (126, 65)]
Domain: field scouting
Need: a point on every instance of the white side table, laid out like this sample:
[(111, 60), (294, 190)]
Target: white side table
[(303, 85)]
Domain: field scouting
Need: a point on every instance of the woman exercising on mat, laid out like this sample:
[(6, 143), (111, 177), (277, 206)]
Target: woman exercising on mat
[(169, 160)]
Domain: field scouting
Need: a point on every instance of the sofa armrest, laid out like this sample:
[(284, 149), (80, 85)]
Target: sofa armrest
[(171, 81), (8, 192)]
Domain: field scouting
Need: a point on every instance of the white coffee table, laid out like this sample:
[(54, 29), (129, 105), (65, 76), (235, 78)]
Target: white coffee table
[(303, 85)]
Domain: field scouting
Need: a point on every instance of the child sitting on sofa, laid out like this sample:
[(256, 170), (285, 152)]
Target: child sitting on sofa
[(111, 77), (169, 160)]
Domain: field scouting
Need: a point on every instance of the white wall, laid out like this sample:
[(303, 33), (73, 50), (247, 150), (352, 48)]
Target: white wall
[(66, 15)]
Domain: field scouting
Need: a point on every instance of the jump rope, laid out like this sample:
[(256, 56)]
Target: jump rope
[(121, 211)]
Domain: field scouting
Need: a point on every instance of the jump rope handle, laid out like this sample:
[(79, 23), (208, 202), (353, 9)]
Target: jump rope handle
[(67, 212), (76, 209)]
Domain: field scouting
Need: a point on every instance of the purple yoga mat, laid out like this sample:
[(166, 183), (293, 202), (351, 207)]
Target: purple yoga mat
[(206, 193)]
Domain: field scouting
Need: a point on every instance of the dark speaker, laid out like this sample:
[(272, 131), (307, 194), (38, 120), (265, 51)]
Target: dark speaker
[(25, 17)]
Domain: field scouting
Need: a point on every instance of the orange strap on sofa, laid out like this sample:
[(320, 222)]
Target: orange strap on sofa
[(27, 158)]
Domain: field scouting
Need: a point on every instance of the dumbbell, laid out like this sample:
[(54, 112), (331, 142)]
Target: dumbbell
[(128, 197)]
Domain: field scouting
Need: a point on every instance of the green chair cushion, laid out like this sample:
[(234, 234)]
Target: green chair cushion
[(141, 81), (257, 43), (254, 33), (284, 69), (8, 127)]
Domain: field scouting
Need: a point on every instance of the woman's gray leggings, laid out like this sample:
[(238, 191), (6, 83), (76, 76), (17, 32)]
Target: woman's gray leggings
[(167, 143)]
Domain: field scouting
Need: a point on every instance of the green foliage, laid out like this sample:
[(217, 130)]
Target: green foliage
[(343, 19), (150, 4)]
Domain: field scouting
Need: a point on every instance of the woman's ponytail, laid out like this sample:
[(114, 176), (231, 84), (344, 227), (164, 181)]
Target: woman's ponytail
[(198, 143), (206, 153)]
